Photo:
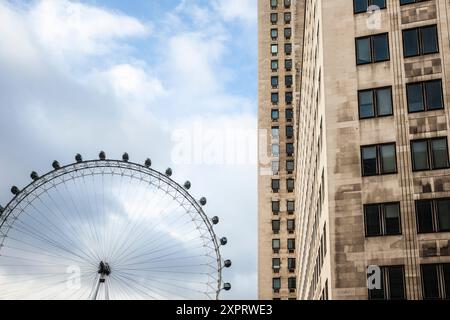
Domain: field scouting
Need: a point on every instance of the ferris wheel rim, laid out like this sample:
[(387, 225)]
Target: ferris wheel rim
[(125, 164)]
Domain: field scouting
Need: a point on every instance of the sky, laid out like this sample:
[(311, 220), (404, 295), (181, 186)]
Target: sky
[(171, 80)]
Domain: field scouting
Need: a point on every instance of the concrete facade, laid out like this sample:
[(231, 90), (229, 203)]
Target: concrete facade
[(333, 251)]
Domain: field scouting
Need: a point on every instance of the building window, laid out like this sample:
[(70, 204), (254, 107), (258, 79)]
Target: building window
[(289, 115), (435, 281), (291, 226), (274, 34), (287, 33), (276, 264), (290, 149), (275, 132), (430, 154), (274, 82), (276, 245), (288, 81), (287, 17), (276, 207), (292, 284), (378, 159), (288, 64), (360, 6), (382, 219), (392, 284), (287, 3), (274, 18), (275, 185), (290, 206), (290, 185), (425, 96), (275, 114), (420, 41), (274, 65), (276, 284), (288, 97), (290, 166), (275, 150), (433, 215), (273, 4), (276, 226), (289, 132), (274, 97), (275, 167), (274, 49), (291, 264), (375, 103), (288, 48), (372, 49), (291, 245)]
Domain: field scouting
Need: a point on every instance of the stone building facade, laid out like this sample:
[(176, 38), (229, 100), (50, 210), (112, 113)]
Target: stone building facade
[(372, 177)]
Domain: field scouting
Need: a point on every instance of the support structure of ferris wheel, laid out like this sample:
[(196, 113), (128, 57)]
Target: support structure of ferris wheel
[(64, 216)]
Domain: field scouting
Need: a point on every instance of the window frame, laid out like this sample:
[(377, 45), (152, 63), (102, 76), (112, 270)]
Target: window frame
[(370, 37), (375, 103), (420, 41), (378, 159), (369, 3), (386, 282), (382, 219), (430, 156), (436, 228), (424, 92)]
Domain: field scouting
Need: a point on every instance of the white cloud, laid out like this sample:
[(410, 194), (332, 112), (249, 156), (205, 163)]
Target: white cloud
[(244, 10), (65, 27), (128, 82)]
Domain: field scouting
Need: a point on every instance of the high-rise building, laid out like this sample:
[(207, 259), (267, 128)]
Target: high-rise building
[(371, 176)]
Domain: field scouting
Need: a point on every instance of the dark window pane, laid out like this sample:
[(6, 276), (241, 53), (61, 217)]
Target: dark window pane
[(443, 214), (380, 3), (276, 283), (292, 283), (429, 40), (290, 165), (275, 115), (275, 206), (392, 218), (291, 263), (360, 5), (274, 97), (363, 51), (274, 81), (430, 282), (446, 270), (291, 244), (410, 43), (373, 223), (384, 101), (369, 157), (274, 65), (276, 244), (424, 216), (366, 106), (420, 155), (380, 47), (288, 64), (276, 262), (290, 206), (415, 97), (439, 153), (289, 114), (434, 97), (275, 225), (396, 283), (388, 163)]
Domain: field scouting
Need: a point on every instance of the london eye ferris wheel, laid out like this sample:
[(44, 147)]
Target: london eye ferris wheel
[(108, 229)]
